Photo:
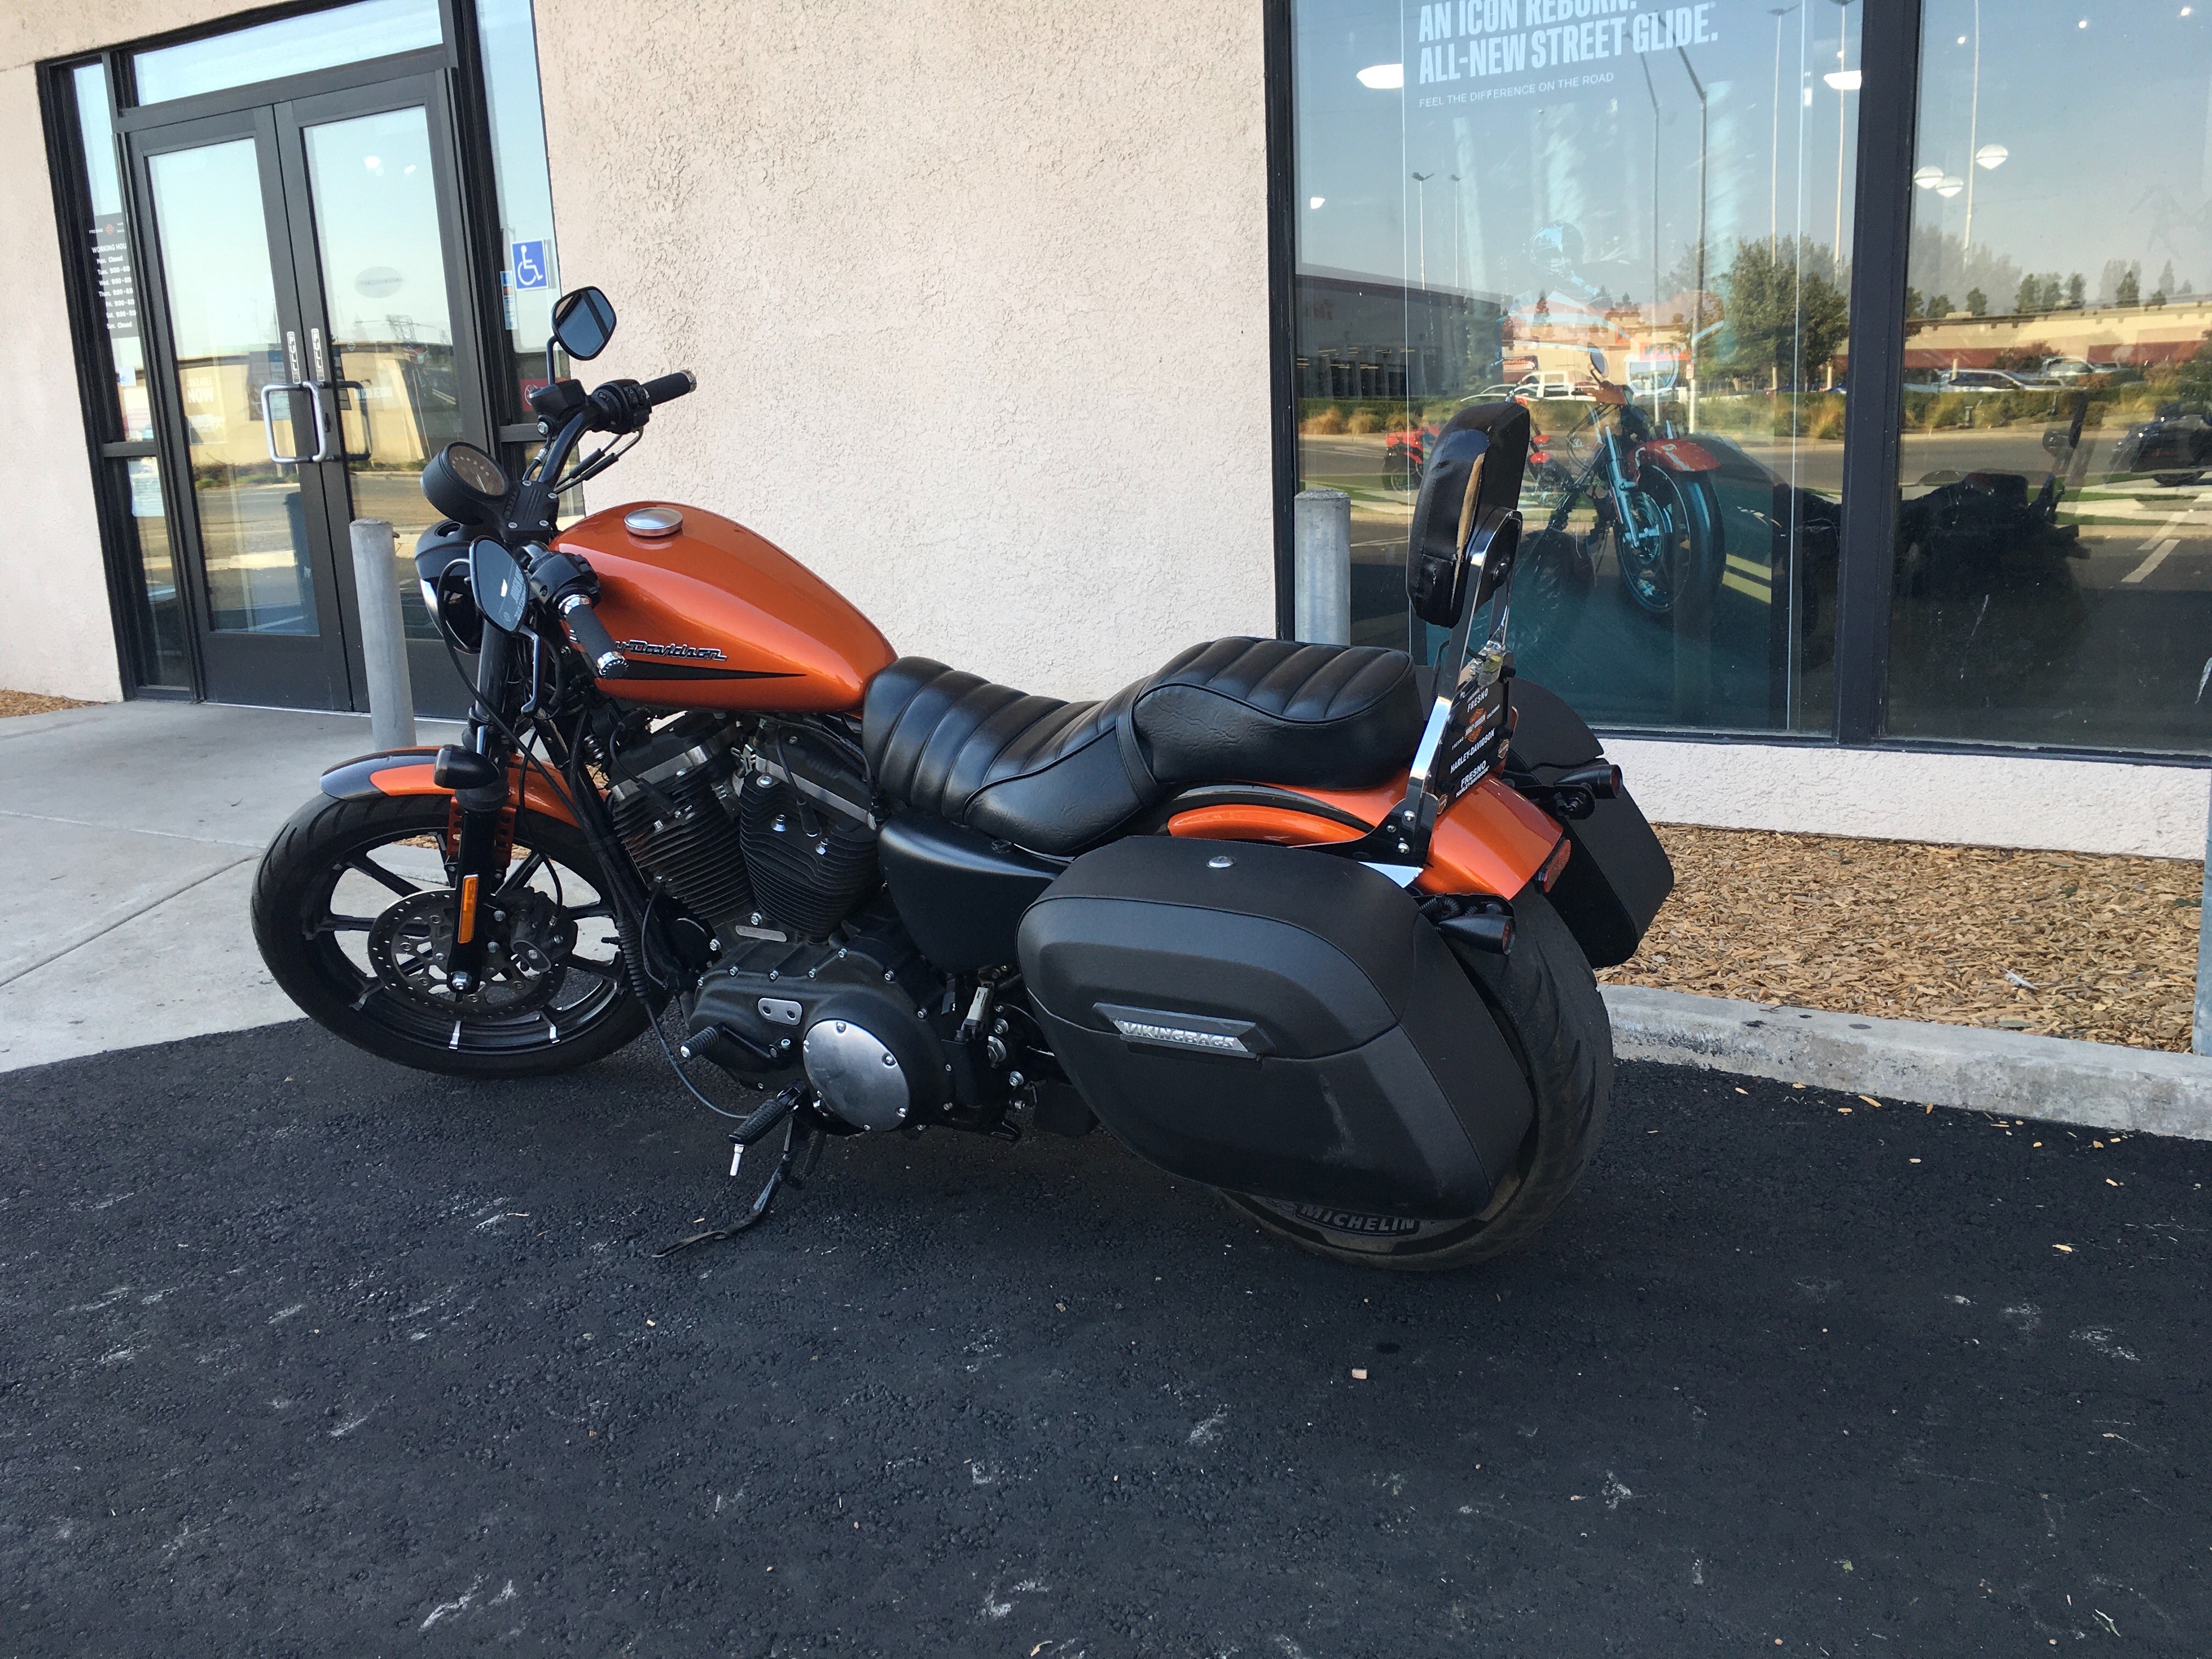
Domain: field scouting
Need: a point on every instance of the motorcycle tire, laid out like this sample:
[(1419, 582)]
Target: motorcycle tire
[(1693, 553), (518, 1026), (1547, 1002)]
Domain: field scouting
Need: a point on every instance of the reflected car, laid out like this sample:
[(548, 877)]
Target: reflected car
[(2174, 446), (1993, 380)]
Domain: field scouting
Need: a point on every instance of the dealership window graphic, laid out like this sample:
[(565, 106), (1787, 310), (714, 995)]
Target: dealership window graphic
[(1638, 220)]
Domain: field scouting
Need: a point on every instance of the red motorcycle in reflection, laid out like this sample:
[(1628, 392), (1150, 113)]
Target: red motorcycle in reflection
[(1653, 502)]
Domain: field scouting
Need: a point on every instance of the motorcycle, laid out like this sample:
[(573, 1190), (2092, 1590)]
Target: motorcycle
[(1300, 922), (1654, 501)]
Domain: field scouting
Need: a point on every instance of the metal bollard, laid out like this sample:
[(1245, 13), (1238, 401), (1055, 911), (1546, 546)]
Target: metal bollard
[(1322, 538), (383, 634), (2200, 1036)]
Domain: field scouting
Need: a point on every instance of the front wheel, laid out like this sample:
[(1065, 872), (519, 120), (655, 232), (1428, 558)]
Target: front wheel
[(1547, 1002), (1669, 542), (353, 910)]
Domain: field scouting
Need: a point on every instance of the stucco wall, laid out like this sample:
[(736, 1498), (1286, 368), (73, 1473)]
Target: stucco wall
[(1979, 801), (976, 294), (58, 638)]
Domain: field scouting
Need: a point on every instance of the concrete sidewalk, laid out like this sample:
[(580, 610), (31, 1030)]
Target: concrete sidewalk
[(128, 836)]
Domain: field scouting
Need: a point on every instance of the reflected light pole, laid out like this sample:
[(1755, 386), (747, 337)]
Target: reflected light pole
[(1698, 299), (1774, 154), (1845, 83)]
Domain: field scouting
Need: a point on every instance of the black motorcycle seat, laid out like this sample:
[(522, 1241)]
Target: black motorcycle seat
[(1056, 777)]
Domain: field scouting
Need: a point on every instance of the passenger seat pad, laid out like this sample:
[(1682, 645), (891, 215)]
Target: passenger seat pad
[(1275, 711)]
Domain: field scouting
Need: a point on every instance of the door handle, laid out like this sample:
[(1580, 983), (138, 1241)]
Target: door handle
[(337, 389), (269, 420)]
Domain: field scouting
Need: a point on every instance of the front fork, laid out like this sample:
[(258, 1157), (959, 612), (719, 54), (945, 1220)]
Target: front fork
[(481, 831)]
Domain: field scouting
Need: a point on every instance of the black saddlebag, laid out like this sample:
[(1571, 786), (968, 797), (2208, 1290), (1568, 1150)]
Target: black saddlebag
[(1277, 1022)]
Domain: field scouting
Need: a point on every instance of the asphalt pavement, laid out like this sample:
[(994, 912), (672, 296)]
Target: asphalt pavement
[(306, 1354)]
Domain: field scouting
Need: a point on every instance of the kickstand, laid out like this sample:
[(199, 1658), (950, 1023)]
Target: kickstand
[(799, 1139)]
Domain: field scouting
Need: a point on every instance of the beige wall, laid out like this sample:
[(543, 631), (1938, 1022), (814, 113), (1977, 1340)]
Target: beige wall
[(976, 294), (58, 637)]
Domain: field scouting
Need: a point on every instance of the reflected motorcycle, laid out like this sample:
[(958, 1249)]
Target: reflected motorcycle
[(1304, 923)]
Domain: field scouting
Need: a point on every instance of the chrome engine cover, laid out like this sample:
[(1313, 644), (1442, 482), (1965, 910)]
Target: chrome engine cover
[(857, 1075)]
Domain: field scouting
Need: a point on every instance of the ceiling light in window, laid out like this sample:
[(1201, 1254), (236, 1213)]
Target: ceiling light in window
[(1949, 184), (1315, 201), (1843, 80), (1929, 178), (1382, 77), (1990, 157)]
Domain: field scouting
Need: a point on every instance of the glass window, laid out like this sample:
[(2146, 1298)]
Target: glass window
[(159, 626), (110, 252), (162, 649), (2053, 575), (529, 279), (290, 46), (1632, 219)]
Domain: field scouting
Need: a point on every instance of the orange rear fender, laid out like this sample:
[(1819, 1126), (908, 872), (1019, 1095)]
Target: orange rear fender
[(1490, 840)]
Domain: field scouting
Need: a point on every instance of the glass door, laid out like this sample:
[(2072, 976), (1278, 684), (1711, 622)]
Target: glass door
[(376, 247), (240, 421), (313, 346)]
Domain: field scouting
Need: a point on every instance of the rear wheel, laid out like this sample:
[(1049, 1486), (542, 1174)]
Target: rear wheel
[(1547, 1002), (353, 910)]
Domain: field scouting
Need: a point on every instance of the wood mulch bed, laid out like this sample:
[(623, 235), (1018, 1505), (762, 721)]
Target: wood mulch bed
[(2065, 944), (32, 702)]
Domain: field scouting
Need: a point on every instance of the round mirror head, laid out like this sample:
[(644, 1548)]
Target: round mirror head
[(583, 322), (501, 590)]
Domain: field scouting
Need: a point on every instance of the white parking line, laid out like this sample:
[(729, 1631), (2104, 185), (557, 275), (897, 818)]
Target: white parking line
[(2157, 552)]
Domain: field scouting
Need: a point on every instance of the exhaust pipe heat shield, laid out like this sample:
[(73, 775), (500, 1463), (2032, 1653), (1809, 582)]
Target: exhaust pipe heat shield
[(1275, 1021)]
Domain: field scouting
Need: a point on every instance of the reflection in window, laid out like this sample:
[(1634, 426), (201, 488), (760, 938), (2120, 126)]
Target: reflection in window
[(290, 46), (221, 297), (159, 625), (374, 184), (1632, 223), (2053, 576), (161, 650), (529, 281)]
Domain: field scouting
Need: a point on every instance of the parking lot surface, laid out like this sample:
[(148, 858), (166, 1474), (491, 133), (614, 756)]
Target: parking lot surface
[(306, 1354)]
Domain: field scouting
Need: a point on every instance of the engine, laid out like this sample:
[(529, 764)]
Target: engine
[(852, 1015), (764, 829), (757, 827)]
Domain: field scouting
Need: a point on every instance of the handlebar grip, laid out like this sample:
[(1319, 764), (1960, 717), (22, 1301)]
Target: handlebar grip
[(666, 388), (593, 638)]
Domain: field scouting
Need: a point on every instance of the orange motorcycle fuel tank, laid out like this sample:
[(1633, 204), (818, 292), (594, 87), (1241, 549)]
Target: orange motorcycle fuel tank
[(712, 616)]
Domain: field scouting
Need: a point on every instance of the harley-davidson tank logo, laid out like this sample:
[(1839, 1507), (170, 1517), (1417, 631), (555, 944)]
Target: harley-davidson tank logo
[(694, 652), (1352, 1221)]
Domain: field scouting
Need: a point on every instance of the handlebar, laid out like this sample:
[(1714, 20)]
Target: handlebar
[(667, 388), (593, 638)]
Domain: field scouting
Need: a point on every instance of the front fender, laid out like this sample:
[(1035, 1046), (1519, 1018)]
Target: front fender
[(411, 772)]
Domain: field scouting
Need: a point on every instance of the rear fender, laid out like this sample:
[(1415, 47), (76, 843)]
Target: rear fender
[(1490, 841), (411, 772)]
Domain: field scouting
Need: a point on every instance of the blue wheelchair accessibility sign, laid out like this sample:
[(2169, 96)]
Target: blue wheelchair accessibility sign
[(530, 265)]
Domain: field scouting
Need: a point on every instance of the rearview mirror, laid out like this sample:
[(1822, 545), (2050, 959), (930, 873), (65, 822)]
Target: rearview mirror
[(502, 592), (583, 323)]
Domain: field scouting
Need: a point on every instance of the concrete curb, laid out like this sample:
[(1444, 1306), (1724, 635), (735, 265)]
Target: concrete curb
[(2100, 1084)]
